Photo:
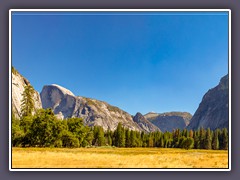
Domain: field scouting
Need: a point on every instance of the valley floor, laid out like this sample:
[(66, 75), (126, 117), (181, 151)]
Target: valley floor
[(104, 157)]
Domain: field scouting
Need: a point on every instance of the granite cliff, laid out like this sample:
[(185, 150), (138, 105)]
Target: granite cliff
[(18, 84), (94, 112), (213, 110), (169, 120), (146, 125)]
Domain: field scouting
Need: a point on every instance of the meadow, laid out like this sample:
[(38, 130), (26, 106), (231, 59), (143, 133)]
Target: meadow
[(108, 157)]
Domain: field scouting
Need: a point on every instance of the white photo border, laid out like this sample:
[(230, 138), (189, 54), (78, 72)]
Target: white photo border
[(117, 10)]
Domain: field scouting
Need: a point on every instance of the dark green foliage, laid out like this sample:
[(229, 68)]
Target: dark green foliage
[(108, 136), (150, 142), (208, 140), (161, 142), (197, 143), (119, 136), (44, 130), (27, 103), (26, 122), (58, 143), (77, 128), (69, 140), (176, 138), (133, 139), (202, 138), (128, 138), (215, 142), (191, 133), (224, 139), (17, 132), (99, 138), (187, 143)]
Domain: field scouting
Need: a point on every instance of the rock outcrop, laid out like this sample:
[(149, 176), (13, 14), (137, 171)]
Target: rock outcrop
[(18, 84), (94, 112), (169, 120), (146, 125), (213, 110)]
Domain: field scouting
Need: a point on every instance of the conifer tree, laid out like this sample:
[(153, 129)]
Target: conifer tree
[(191, 133), (108, 137), (162, 142), (133, 139), (176, 136), (202, 138), (208, 140), (138, 139), (127, 141), (150, 142), (224, 139), (197, 143), (215, 141), (120, 136), (187, 143), (99, 138), (27, 102)]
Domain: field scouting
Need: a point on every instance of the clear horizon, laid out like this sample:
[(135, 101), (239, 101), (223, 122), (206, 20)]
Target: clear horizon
[(138, 61)]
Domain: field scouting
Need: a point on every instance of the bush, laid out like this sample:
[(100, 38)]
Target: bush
[(188, 143), (58, 143), (69, 140)]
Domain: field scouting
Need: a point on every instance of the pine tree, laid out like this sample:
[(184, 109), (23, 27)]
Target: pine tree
[(150, 142), (197, 143), (138, 139), (191, 133), (187, 143), (27, 102), (127, 141), (119, 136), (224, 139), (202, 137), (161, 141), (133, 139), (215, 142), (108, 137), (99, 138), (208, 140), (176, 136)]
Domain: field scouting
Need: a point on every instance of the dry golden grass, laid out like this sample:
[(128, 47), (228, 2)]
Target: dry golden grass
[(117, 158)]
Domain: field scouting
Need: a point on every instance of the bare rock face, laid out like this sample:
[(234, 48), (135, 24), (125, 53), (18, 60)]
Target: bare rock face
[(94, 112), (213, 111), (18, 84), (146, 125), (169, 120)]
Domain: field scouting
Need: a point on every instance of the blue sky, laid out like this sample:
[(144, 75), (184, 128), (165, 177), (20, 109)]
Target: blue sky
[(140, 61)]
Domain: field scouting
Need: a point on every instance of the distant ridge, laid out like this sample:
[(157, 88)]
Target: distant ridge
[(169, 121), (94, 112)]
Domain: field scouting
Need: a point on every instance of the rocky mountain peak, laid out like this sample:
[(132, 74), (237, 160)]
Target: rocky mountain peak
[(63, 90), (94, 112), (146, 125), (213, 110), (58, 98), (138, 117), (169, 120)]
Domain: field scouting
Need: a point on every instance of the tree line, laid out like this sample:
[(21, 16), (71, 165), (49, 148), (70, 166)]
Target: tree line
[(43, 129)]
